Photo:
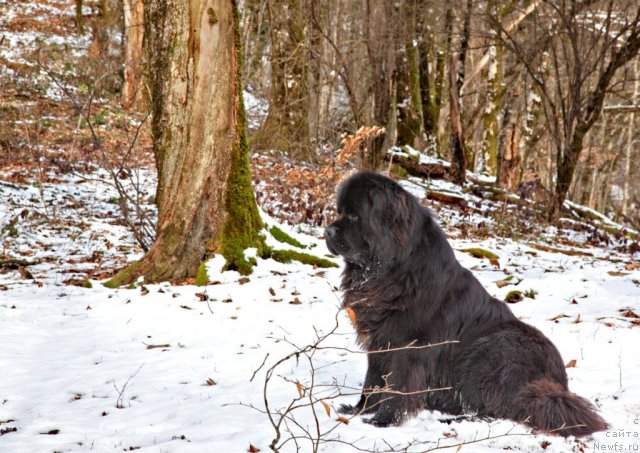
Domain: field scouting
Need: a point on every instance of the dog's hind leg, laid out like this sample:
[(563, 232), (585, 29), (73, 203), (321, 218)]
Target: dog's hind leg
[(517, 373)]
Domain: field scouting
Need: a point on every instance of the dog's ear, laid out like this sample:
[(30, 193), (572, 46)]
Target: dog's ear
[(391, 213)]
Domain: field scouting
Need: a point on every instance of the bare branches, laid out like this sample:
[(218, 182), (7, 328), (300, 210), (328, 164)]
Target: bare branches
[(141, 225), (301, 421), (119, 401), (578, 48)]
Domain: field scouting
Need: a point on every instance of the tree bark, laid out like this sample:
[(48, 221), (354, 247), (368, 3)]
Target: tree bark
[(133, 87), (381, 47), (410, 122), (629, 145), (79, 18), (286, 127), (458, 157), (431, 77), (205, 200), (495, 89), (508, 171), (256, 38)]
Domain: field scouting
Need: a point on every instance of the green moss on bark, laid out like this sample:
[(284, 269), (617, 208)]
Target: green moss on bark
[(242, 227), (201, 277), (286, 256), (123, 276), (283, 237), (477, 252)]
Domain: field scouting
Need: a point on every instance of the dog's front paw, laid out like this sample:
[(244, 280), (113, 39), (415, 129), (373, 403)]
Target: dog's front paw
[(375, 421), (383, 419), (348, 409)]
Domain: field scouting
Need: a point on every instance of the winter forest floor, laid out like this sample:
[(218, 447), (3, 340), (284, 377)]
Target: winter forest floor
[(176, 367)]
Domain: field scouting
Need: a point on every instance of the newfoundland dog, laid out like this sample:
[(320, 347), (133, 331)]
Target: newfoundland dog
[(404, 287)]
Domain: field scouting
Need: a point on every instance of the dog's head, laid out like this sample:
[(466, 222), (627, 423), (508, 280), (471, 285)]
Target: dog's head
[(375, 219)]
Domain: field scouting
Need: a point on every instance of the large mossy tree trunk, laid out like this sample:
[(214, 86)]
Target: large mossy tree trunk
[(286, 127), (205, 200)]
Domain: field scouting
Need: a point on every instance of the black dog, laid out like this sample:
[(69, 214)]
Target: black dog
[(406, 287)]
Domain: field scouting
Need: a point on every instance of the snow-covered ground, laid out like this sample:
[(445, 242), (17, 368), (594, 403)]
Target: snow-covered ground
[(164, 368)]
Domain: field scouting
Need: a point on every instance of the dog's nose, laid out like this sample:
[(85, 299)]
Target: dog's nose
[(330, 231)]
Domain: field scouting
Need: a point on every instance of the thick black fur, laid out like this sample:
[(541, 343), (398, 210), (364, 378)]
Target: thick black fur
[(405, 286)]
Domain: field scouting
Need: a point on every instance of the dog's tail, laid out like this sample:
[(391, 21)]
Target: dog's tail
[(546, 405)]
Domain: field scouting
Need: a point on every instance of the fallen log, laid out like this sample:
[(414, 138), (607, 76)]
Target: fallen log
[(493, 193), (413, 166), (13, 263), (570, 252), (489, 191), (446, 197)]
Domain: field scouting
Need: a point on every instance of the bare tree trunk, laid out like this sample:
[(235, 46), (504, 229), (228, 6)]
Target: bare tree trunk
[(287, 124), (591, 202), (100, 39), (606, 186), (495, 90), (458, 158), (79, 18), (630, 140), (205, 199), (458, 149), (410, 122), (133, 88), (431, 76), (381, 47), (508, 171), (596, 170), (321, 62)]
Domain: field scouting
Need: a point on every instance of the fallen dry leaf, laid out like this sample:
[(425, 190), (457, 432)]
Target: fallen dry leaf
[(326, 408), (630, 314), (157, 346), (561, 315), (25, 273)]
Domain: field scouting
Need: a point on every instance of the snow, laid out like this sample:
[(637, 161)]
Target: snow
[(256, 109), (493, 65), (18, 42), (169, 368), (407, 151)]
